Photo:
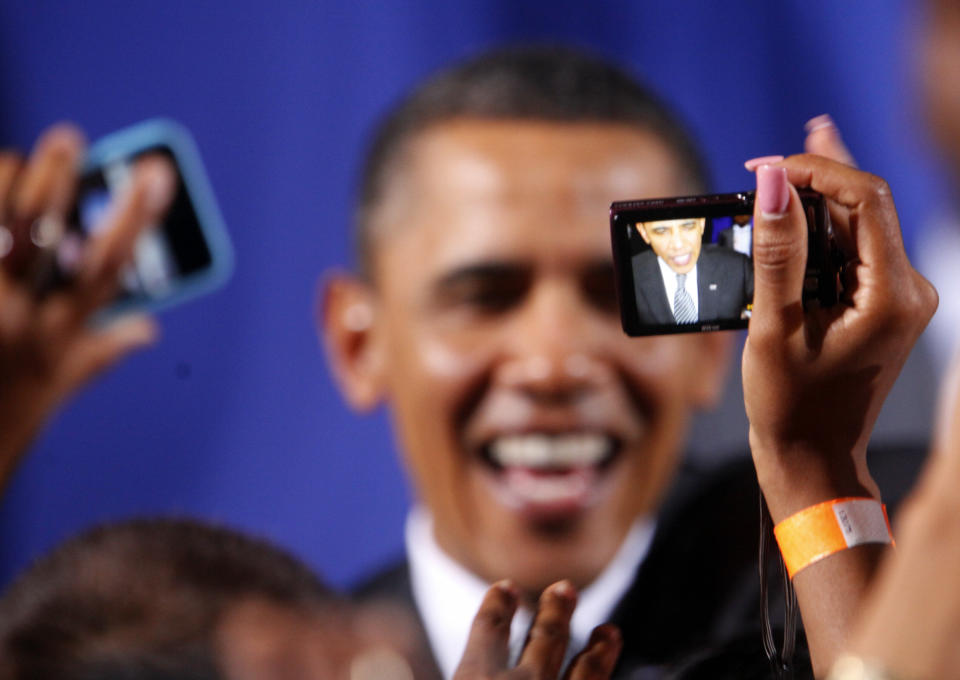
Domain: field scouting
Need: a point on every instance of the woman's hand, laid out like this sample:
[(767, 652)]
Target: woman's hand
[(815, 379)]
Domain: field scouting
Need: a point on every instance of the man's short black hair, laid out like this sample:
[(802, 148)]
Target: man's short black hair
[(141, 599), (545, 83)]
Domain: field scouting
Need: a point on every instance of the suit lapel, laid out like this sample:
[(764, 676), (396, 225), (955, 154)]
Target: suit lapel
[(648, 285), (708, 288)]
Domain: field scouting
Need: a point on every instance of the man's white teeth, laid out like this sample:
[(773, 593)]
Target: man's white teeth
[(550, 451)]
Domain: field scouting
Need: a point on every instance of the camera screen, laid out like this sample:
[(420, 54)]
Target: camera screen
[(685, 264), (164, 254)]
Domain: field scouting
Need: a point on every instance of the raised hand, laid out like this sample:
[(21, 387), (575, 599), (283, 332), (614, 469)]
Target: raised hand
[(487, 651), (48, 348), (815, 379)]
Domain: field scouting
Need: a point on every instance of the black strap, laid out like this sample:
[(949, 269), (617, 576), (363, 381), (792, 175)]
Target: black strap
[(781, 662)]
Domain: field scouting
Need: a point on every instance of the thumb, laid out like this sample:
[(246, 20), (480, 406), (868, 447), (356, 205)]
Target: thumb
[(779, 253), (823, 139), (98, 350)]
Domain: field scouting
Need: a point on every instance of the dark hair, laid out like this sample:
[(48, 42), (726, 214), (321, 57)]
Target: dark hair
[(559, 84), (141, 599)]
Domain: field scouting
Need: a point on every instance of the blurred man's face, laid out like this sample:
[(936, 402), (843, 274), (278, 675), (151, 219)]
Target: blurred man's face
[(676, 242), (535, 430)]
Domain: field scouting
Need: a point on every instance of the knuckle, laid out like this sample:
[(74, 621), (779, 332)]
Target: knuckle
[(550, 631), (875, 191), (775, 253), (493, 618)]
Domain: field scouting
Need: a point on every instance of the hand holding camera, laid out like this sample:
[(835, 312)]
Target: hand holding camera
[(47, 347), (815, 378)]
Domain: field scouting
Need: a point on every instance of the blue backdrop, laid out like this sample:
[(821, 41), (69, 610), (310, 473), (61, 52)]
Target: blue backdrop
[(233, 416)]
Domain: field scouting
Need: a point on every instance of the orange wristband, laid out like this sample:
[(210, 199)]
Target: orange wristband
[(829, 527)]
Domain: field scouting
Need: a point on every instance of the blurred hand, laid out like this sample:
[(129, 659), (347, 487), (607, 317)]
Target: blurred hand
[(486, 655), (47, 347), (910, 623)]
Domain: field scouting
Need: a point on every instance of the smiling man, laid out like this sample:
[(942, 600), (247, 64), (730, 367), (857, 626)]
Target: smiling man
[(540, 439), (680, 280)]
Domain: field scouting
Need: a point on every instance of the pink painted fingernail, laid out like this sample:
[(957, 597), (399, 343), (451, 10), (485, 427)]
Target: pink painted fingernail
[(818, 123), (755, 163), (773, 191)]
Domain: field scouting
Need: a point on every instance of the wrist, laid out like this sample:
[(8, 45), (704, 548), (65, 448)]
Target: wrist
[(797, 476)]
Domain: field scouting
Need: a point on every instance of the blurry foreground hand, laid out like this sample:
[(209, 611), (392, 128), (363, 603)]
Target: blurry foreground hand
[(48, 349), (486, 655)]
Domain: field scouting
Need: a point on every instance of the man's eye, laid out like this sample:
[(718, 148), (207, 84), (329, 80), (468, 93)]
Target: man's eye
[(599, 288), (660, 231), (488, 294)]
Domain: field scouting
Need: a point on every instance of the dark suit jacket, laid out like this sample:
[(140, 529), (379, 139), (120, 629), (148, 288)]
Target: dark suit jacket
[(697, 583), (724, 286), (693, 609)]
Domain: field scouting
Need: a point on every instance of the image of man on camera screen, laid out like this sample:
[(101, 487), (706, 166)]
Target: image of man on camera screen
[(678, 279)]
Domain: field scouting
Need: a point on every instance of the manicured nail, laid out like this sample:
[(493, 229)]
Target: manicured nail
[(755, 163), (818, 123), (564, 589), (509, 588), (773, 191)]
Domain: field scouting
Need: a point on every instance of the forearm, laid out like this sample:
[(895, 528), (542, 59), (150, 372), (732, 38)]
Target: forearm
[(23, 416), (830, 591)]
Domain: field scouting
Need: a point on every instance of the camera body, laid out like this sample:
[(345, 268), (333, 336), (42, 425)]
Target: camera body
[(684, 264)]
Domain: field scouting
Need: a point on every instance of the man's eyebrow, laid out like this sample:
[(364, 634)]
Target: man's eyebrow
[(478, 270)]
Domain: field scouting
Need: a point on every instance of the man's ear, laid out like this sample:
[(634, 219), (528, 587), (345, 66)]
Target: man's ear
[(346, 322), (643, 232), (715, 352)]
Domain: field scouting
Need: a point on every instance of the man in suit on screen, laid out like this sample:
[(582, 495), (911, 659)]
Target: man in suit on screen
[(681, 280)]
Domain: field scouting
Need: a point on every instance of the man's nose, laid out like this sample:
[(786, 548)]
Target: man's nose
[(555, 352)]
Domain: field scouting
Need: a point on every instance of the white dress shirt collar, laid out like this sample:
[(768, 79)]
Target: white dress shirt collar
[(448, 596)]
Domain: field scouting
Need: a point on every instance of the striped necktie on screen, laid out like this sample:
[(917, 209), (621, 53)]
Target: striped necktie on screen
[(683, 310)]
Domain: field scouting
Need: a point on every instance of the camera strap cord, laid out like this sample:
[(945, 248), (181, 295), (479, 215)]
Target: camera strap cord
[(781, 661)]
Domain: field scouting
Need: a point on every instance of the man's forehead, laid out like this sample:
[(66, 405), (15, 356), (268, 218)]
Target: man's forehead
[(479, 187), (670, 224), (559, 170), (590, 153)]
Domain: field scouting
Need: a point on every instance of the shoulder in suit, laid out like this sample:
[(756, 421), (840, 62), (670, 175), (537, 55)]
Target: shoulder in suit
[(724, 283)]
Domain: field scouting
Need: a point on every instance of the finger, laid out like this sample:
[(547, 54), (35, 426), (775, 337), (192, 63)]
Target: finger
[(50, 175), (779, 254), (823, 139), (98, 350), (599, 657), (546, 645), (10, 164), (487, 648), (139, 206), (873, 227)]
